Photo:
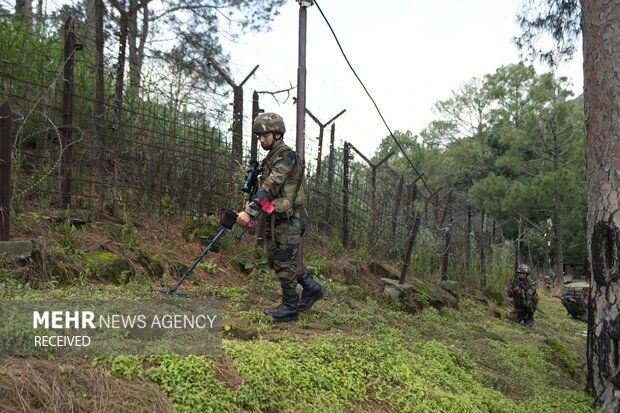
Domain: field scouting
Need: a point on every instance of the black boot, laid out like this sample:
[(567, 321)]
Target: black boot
[(287, 311), (312, 291)]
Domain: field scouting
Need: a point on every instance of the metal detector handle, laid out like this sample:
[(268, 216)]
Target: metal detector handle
[(245, 229), (266, 207)]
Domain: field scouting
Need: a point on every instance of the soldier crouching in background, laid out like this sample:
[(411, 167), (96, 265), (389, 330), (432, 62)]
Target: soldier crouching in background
[(522, 290), (576, 304)]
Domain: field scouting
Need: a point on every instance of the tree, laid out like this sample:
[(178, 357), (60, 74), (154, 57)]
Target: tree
[(601, 29)]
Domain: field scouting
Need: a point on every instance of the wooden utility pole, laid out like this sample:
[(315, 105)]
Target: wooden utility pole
[(237, 144), (300, 137)]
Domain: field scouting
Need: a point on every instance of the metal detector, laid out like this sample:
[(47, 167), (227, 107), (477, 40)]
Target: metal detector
[(228, 218)]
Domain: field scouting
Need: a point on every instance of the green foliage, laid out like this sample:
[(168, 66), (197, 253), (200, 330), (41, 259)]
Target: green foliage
[(125, 234), (335, 372), (106, 265), (10, 287), (208, 267), (560, 350)]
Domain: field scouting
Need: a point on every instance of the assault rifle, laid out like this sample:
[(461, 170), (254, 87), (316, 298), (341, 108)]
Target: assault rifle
[(228, 218)]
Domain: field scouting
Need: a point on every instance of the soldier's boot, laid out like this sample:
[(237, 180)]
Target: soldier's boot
[(288, 309), (529, 320), (311, 293)]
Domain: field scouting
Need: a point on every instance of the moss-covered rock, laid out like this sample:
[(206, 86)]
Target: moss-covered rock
[(177, 269), (150, 265), (108, 266), (417, 295)]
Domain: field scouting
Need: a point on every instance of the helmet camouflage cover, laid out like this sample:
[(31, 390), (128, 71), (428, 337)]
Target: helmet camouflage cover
[(523, 268), (268, 122)]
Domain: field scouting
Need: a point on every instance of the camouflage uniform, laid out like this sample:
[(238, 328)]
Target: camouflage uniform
[(524, 297), (284, 187), (575, 304)]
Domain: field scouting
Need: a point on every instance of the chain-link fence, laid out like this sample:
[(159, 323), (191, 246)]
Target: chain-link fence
[(75, 145)]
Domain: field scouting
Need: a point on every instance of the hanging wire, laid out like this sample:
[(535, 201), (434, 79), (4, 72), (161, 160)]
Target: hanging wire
[(372, 99)]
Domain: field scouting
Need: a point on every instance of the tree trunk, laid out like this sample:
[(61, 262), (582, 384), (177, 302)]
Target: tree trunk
[(137, 40), (467, 240), (120, 70), (24, 8), (602, 113), (91, 24), (558, 239)]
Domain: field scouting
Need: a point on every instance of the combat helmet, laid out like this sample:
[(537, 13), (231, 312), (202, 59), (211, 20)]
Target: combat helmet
[(524, 268), (268, 122)]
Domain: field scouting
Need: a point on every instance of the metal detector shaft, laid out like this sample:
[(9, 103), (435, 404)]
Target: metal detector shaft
[(204, 252)]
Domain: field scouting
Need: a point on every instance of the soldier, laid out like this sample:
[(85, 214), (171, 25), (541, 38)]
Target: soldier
[(575, 304), (284, 186), (522, 290)]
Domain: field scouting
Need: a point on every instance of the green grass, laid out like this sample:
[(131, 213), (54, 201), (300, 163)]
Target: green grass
[(359, 351), (370, 355)]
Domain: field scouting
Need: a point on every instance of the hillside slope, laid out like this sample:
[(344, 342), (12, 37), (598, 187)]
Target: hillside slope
[(356, 351)]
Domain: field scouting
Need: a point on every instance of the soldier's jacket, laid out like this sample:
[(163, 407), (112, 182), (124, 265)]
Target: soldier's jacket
[(523, 294), (283, 183), (574, 304)]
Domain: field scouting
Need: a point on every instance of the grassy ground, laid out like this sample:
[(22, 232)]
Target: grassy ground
[(356, 351)]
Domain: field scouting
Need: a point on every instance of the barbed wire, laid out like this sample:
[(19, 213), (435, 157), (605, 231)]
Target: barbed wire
[(61, 149)]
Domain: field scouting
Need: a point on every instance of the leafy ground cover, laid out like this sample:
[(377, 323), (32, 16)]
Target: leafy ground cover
[(357, 350)]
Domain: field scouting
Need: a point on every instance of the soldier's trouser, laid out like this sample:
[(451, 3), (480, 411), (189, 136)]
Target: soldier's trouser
[(283, 235), (524, 315)]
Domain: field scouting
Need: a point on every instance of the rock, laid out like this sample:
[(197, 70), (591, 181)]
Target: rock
[(152, 267), (238, 328), (417, 294), (108, 266), (20, 250), (450, 286), (382, 271), (394, 290)]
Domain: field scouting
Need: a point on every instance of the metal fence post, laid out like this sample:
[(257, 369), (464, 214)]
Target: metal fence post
[(237, 127), (5, 169), (414, 226), (330, 176), (345, 195)]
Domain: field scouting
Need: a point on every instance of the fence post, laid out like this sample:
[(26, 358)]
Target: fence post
[(330, 175), (67, 104), (322, 127), (254, 142), (399, 195), (414, 226), (345, 195), (5, 169), (237, 143)]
